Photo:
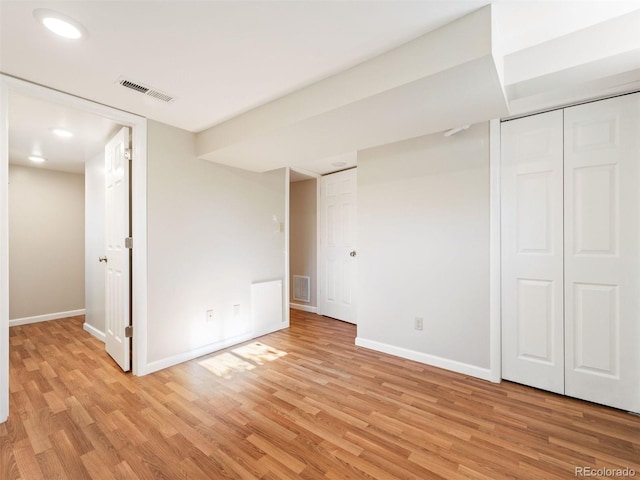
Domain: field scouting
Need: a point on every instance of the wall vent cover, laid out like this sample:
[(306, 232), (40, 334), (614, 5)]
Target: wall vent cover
[(302, 288), (145, 89)]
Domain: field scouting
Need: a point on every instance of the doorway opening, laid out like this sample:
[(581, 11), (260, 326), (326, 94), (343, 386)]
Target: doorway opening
[(303, 240), (56, 212), (11, 87)]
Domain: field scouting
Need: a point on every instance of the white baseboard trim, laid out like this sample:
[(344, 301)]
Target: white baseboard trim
[(304, 308), (435, 361), (94, 331), (198, 352), (46, 317)]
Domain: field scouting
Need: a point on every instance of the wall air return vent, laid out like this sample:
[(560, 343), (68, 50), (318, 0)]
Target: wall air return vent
[(145, 90), (302, 288)]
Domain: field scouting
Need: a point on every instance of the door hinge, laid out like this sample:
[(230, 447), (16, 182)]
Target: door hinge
[(127, 153), (128, 331), (128, 242)]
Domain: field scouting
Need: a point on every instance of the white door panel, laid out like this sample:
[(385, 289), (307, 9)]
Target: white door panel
[(602, 251), (532, 277), (337, 235), (117, 289)]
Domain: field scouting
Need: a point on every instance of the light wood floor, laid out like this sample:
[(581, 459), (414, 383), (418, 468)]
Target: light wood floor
[(298, 404)]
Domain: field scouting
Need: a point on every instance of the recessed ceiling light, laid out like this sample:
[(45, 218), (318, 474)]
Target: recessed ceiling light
[(61, 132), (37, 159), (339, 164), (60, 24)]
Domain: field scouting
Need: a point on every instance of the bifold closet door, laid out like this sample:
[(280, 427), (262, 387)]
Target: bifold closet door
[(602, 251), (532, 249)]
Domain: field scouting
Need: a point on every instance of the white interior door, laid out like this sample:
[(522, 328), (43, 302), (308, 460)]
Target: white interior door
[(117, 262), (602, 251), (337, 245), (532, 247)]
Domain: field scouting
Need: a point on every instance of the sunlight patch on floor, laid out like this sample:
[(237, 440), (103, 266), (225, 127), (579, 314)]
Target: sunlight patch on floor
[(241, 359), (225, 364), (259, 353)]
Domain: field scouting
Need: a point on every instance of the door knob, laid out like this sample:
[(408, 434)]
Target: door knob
[(352, 253), (102, 259)]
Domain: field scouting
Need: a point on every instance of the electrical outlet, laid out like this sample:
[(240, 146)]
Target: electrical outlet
[(209, 316), (418, 323), (236, 310)]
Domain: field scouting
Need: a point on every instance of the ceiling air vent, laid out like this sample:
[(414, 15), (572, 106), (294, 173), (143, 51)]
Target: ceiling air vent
[(145, 89)]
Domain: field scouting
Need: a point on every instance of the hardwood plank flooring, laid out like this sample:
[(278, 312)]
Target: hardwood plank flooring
[(303, 403)]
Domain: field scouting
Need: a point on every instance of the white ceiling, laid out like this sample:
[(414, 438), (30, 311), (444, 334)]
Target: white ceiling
[(217, 58), (222, 58), (30, 124)]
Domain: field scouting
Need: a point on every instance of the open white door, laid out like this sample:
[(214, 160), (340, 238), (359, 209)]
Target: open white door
[(117, 255), (337, 246)]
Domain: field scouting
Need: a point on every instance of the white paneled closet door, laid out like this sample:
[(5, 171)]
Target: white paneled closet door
[(571, 251), (532, 245), (602, 251)]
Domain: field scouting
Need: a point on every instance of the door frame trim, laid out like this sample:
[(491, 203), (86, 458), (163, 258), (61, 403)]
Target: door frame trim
[(495, 260), (138, 216)]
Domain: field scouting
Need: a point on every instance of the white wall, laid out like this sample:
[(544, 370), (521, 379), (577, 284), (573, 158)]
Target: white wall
[(94, 243), (46, 237), (423, 249), (302, 234), (211, 233)]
